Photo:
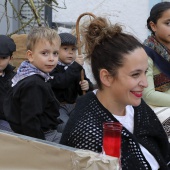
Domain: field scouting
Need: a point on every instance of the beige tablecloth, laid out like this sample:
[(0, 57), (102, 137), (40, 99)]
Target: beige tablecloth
[(20, 152)]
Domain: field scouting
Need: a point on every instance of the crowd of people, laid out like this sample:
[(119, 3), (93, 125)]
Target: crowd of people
[(44, 98)]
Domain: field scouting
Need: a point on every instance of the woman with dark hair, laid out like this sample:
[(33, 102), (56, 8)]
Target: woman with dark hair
[(157, 46), (119, 64)]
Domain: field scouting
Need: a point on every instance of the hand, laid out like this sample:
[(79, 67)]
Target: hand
[(84, 85), (79, 59)]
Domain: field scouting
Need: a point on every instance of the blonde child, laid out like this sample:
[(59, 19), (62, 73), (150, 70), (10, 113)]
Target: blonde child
[(31, 107)]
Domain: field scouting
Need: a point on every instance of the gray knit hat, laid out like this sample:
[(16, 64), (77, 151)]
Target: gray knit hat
[(7, 46), (68, 39)]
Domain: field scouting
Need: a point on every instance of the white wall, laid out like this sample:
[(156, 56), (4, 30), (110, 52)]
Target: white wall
[(131, 13)]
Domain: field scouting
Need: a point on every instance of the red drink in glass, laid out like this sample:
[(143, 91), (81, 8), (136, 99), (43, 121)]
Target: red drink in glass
[(112, 138)]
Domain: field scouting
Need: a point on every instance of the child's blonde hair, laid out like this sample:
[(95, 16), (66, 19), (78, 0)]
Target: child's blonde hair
[(39, 33)]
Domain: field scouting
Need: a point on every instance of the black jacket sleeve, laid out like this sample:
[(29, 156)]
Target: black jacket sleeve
[(63, 80)]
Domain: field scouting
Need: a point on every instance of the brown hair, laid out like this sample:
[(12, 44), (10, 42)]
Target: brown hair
[(106, 45), (156, 13), (39, 33)]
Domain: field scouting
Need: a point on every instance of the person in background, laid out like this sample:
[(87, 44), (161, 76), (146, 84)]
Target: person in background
[(31, 107), (7, 47), (120, 74), (67, 84), (86, 62), (157, 46)]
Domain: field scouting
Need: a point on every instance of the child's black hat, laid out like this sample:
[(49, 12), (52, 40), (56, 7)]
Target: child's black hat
[(68, 39), (7, 46)]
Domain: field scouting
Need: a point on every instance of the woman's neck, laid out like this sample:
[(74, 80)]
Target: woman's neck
[(110, 103)]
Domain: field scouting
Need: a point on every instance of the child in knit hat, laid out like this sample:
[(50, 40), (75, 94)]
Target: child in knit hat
[(7, 47), (67, 84)]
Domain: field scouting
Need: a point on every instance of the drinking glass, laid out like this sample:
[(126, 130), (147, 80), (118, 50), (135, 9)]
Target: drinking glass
[(112, 138)]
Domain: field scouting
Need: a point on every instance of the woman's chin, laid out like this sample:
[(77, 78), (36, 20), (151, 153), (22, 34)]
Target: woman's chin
[(136, 102)]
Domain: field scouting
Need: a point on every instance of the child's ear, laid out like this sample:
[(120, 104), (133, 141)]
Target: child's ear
[(153, 26), (29, 55)]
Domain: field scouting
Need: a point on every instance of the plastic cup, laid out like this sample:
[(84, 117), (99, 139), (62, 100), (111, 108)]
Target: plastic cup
[(112, 138)]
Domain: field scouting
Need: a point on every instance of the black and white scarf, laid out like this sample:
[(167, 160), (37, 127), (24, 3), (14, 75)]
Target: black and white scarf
[(27, 69)]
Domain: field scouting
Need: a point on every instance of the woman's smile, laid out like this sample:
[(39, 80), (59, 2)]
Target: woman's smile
[(137, 93)]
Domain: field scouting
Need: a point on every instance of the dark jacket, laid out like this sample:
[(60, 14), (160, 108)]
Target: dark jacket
[(65, 83), (5, 85), (31, 107), (84, 131)]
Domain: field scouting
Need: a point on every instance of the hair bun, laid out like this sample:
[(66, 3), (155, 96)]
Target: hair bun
[(98, 30)]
